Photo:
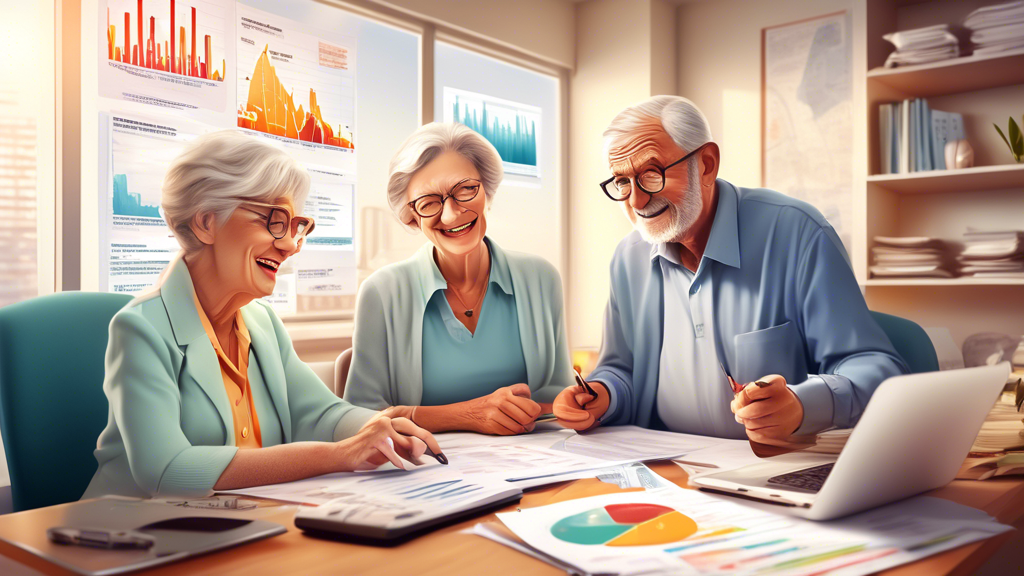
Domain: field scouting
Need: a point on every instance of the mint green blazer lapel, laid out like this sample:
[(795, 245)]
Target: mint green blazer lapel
[(201, 362), (268, 356)]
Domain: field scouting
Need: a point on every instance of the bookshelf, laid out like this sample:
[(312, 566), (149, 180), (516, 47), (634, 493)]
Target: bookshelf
[(942, 203)]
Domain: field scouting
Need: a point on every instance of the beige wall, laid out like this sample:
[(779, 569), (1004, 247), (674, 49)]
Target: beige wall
[(544, 28), (719, 51), (616, 66)]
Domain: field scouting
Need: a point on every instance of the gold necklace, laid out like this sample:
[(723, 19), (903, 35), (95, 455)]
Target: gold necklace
[(469, 310)]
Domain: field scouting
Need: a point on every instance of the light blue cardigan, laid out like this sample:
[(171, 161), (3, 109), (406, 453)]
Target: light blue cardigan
[(170, 430), (387, 356)]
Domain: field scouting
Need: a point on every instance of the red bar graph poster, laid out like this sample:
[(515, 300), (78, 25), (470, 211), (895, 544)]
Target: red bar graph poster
[(297, 87), (176, 54)]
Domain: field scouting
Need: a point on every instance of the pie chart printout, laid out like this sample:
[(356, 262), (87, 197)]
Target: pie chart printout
[(625, 525)]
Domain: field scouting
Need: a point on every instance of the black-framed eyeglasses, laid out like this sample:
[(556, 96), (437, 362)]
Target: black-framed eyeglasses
[(279, 221), (651, 180), (430, 205)]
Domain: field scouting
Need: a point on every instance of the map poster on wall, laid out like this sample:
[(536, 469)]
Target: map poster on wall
[(511, 127), (137, 244), (808, 116), (297, 87), (176, 54)]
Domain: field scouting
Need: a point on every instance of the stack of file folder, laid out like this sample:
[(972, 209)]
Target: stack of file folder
[(993, 254), (922, 45), (997, 28), (913, 137), (909, 257)]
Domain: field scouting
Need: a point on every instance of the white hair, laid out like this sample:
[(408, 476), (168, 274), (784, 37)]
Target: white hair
[(430, 141), (219, 171), (680, 118)]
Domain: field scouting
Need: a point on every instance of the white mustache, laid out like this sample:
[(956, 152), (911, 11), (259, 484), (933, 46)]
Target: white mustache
[(653, 206)]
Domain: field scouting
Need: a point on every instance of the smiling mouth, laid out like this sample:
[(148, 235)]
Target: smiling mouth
[(459, 230), (657, 213), (269, 265)]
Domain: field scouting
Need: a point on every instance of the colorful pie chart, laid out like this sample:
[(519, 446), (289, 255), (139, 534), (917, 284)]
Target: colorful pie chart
[(625, 525)]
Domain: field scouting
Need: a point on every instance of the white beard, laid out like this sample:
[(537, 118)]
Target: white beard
[(682, 215)]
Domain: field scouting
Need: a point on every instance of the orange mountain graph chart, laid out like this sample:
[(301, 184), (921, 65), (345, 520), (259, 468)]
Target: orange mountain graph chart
[(271, 109), (172, 55)]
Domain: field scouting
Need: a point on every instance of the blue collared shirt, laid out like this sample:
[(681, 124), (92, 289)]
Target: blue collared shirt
[(775, 292)]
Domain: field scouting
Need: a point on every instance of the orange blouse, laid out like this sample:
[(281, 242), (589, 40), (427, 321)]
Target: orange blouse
[(236, 381)]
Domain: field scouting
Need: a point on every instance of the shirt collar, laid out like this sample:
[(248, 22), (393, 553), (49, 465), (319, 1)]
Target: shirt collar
[(432, 280), (724, 240)]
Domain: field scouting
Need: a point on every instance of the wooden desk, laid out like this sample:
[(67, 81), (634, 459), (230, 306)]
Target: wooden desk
[(448, 552)]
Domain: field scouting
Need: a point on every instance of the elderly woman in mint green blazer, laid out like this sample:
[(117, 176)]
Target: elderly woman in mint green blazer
[(463, 335), (205, 390)]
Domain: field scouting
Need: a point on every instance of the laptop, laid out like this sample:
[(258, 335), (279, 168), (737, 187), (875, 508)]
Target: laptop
[(913, 437)]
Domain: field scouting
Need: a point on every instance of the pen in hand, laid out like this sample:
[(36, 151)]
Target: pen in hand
[(584, 388), (440, 457), (737, 387)]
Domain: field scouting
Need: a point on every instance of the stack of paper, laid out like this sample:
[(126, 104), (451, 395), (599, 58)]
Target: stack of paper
[(993, 254), (997, 28), (1002, 430), (676, 531), (922, 45), (908, 257), (913, 137)]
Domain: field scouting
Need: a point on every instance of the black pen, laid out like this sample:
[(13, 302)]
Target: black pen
[(440, 457), (586, 387)]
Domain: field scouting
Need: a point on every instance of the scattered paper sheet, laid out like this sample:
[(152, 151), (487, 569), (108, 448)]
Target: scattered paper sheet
[(679, 531), (636, 444)]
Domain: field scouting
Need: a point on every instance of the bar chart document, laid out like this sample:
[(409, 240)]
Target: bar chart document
[(297, 87), (510, 126), (136, 244), (176, 54)]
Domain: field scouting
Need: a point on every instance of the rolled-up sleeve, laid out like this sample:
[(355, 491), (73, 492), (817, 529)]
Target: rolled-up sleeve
[(851, 351)]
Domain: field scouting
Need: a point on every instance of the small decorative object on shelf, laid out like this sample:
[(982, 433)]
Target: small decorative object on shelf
[(959, 154), (1016, 139)]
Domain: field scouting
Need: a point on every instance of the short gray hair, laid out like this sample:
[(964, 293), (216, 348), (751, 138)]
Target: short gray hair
[(219, 171), (680, 118), (429, 142)]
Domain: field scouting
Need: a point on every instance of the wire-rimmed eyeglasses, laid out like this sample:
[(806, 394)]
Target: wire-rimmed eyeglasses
[(651, 180)]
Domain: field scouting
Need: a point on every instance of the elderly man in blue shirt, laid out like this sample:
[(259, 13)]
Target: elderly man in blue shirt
[(719, 286)]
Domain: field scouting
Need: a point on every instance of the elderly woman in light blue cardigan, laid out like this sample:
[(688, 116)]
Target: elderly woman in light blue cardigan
[(463, 335)]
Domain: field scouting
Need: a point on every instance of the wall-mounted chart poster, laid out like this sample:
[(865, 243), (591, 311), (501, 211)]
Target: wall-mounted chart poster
[(327, 263), (511, 127), (136, 244), (176, 54), (297, 87)]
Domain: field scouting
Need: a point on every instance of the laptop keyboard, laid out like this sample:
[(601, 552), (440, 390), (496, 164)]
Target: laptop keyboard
[(808, 478)]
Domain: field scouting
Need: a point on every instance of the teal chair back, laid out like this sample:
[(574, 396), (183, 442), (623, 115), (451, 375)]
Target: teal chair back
[(52, 406), (910, 341)]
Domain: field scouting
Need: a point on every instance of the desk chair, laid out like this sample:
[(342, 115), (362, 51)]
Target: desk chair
[(910, 341), (341, 366), (52, 406)]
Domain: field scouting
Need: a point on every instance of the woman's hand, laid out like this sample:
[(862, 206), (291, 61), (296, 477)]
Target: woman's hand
[(569, 406), (384, 439), (504, 412)]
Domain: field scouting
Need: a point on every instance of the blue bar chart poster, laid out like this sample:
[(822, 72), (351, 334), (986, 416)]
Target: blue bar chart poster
[(513, 128), (137, 243)]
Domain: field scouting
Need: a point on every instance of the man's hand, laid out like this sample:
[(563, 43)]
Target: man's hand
[(504, 412), (770, 414), (568, 406)]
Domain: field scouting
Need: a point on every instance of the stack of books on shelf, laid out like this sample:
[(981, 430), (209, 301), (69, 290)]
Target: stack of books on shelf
[(997, 28), (922, 45), (993, 254), (912, 136), (909, 257)]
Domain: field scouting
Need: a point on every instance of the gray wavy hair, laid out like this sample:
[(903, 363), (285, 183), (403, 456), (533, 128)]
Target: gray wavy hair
[(221, 170), (680, 118), (430, 141)]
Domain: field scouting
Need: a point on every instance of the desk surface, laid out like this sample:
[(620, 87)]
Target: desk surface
[(449, 552)]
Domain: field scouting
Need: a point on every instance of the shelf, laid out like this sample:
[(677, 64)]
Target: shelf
[(944, 282), (963, 180), (956, 75)]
